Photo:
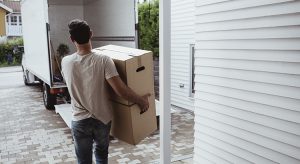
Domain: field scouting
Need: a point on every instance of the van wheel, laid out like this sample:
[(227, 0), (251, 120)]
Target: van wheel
[(25, 80), (25, 77), (48, 98)]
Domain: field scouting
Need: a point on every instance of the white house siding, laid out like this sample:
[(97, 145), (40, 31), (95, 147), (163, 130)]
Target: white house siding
[(182, 36), (247, 107), (13, 29)]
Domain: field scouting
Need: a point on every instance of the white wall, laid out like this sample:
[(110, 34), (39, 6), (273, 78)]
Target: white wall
[(59, 17), (182, 35), (104, 17), (111, 18), (248, 82)]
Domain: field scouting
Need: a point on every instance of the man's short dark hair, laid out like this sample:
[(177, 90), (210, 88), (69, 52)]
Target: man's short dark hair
[(80, 31)]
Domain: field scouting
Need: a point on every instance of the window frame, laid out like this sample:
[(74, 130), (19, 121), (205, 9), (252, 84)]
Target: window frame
[(192, 70), (13, 20), (20, 20)]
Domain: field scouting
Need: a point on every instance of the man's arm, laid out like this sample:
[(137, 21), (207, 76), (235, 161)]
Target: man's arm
[(122, 90)]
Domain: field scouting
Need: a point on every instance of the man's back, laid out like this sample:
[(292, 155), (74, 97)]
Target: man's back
[(85, 76)]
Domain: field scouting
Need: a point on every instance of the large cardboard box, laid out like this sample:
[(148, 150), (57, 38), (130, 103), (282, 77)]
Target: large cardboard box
[(130, 126), (135, 68)]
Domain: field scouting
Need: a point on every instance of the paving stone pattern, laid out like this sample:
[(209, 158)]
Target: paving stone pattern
[(31, 134)]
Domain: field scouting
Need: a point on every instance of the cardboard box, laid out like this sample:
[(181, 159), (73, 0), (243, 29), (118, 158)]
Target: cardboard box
[(135, 68), (130, 126)]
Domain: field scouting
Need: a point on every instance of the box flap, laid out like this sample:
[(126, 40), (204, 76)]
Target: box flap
[(125, 50), (114, 54)]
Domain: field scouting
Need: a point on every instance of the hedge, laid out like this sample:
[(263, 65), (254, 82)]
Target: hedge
[(8, 48), (149, 26)]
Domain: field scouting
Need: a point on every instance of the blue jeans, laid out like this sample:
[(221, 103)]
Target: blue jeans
[(86, 133)]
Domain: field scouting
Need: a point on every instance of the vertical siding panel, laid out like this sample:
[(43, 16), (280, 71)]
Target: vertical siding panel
[(182, 35)]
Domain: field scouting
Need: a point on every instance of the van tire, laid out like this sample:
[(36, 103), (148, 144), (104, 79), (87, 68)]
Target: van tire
[(48, 98), (25, 77), (25, 80)]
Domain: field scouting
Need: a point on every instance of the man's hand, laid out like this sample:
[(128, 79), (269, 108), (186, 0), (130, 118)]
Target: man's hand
[(122, 90), (144, 104)]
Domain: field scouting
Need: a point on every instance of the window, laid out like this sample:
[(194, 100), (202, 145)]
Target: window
[(7, 18), (20, 20), (192, 70), (14, 20)]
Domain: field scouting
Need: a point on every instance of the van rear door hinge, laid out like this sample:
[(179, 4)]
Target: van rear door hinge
[(136, 26), (48, 26)]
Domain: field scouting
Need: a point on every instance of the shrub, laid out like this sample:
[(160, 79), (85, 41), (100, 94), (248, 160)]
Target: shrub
[(149, 26), (8, 48)]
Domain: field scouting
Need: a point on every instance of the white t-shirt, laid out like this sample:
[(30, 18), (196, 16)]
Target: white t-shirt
[(85, 77)]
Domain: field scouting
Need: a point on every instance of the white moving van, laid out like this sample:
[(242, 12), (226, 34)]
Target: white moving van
[(45, 27)]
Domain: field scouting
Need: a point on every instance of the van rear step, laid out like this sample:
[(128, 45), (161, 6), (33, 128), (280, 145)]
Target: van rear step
[(65, 111)]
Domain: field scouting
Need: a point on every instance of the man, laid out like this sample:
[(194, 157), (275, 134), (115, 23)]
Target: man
[(9, 59), (88, 76)]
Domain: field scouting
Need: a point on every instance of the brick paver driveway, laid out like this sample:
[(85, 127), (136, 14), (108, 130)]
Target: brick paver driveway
[(31, 134)]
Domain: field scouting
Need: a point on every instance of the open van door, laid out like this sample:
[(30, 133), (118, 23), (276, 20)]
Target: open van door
[(35, 35), (112, 22)]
